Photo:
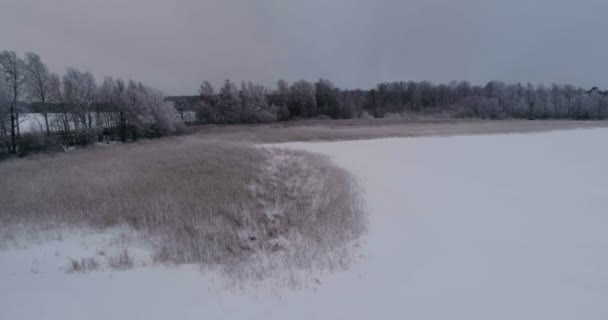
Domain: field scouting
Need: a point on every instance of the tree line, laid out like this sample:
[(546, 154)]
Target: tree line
[(253, 103), (75, 109)]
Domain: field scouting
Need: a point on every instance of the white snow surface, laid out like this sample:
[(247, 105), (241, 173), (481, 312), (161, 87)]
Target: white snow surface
[(470, 227)]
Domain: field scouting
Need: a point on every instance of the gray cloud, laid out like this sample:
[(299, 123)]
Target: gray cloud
[(175, 45)]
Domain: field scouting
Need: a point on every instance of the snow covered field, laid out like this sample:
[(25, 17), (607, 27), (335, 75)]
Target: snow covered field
[(470, 227)]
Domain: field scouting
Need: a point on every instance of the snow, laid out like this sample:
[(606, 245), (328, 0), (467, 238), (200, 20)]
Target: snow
[(470, 227)]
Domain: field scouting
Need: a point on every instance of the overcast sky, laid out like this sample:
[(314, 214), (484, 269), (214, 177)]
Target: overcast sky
[(175, 45)]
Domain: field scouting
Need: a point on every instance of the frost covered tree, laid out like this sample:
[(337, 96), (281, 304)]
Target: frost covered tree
[(132, 109), (255, 107), (302, 99), (147, 113), (283, 91), (157, 116), (81, 109), (281, 100), (326, 96)]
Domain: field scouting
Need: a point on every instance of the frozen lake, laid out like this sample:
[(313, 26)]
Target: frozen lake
[(34, 122)]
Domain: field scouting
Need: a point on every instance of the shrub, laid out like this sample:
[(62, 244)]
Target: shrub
[(122, 261), (29, 144), (83, 265)]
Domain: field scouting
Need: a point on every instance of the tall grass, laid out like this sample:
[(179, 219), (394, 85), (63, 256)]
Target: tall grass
[(194, 200), (314, 130)]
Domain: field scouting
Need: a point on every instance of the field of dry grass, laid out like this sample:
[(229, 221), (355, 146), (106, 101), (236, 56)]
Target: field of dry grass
[(319, 130), (211, 202)]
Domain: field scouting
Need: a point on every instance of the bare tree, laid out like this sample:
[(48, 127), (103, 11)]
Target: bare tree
[(38, 81), (109, 104), (79, 92), (4, 111), (206, 111), (13, 69), (56, 96)]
